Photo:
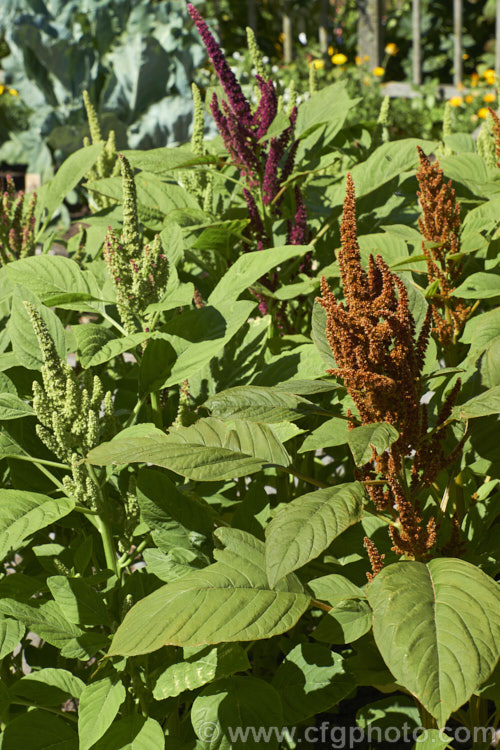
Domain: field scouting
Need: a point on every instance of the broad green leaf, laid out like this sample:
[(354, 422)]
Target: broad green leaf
[(388, 715), (200, 668), (329, 105), (209, 450), (24, 341), (90, 340), (236, 703), (306, 526), (318, 335), (257, 404), (470, 170), (437, 626), (22, 513), (306, 387), (164, 159), (97, 345), (367, 664), (361, 440), (80, 603), (249, 268), (156, 199), (311, 680), (433, 739), (55, 279), (13, 407), (8, 447), (11, 632), (69, 174), (386, 162), (479, 406), (390, 246), (178, 562), (39, 730), (189, 342), (335, 588), (99, 704), (47, 621), (164, 508), (347, 621), (228, 601), (132, 733), (48, 687), (479, 286), (328, 435), (6, 384)]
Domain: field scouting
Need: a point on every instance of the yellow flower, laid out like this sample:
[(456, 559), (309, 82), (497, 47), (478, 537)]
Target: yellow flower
[(331, 51), (391, 48), (366, 58), (488, 98), (469, 98), (339, 59), (483, 113), (2, 89), (460, 86), (318, 64), (465, 56), (488, 73), (358, 60), (281, 37), (13, 92), (474, 79), (378, 71), (455, 101)]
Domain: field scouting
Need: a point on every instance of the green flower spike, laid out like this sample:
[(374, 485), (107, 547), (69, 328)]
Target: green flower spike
[(139, 273), (255, 54)]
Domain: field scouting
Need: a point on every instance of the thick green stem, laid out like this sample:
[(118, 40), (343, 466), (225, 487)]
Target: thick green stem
[(156, 409), (103, 526)]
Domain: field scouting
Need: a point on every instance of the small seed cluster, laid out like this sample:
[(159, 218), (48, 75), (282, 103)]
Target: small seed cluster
[(17, 224)]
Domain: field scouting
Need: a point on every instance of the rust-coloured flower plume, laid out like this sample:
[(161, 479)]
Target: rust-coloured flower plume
[(440, 227), (380, 358)]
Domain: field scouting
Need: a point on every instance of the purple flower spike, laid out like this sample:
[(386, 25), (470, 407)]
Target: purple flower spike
[(299, 234), (270, 184), (268, 106), (232, 89)]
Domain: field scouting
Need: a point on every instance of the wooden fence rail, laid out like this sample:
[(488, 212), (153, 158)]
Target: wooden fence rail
[(370, 34)]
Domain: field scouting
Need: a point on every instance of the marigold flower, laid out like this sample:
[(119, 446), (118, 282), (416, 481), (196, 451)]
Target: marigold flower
[(2, 89), (465, 56), (13, 92), (319, 64), (488, 73), (391, 48), (339, 59), (358, 60), (378, 71), (469, 98), (456, 101), (331, 51), (482, 113), (474, 80), (366, 58), (488, 98)]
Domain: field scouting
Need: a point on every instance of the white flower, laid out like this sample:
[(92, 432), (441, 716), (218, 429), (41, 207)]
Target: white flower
[(303, 38), (275, 69)]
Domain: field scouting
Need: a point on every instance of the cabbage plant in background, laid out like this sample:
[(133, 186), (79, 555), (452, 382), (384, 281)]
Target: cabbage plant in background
[(112, 48)]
